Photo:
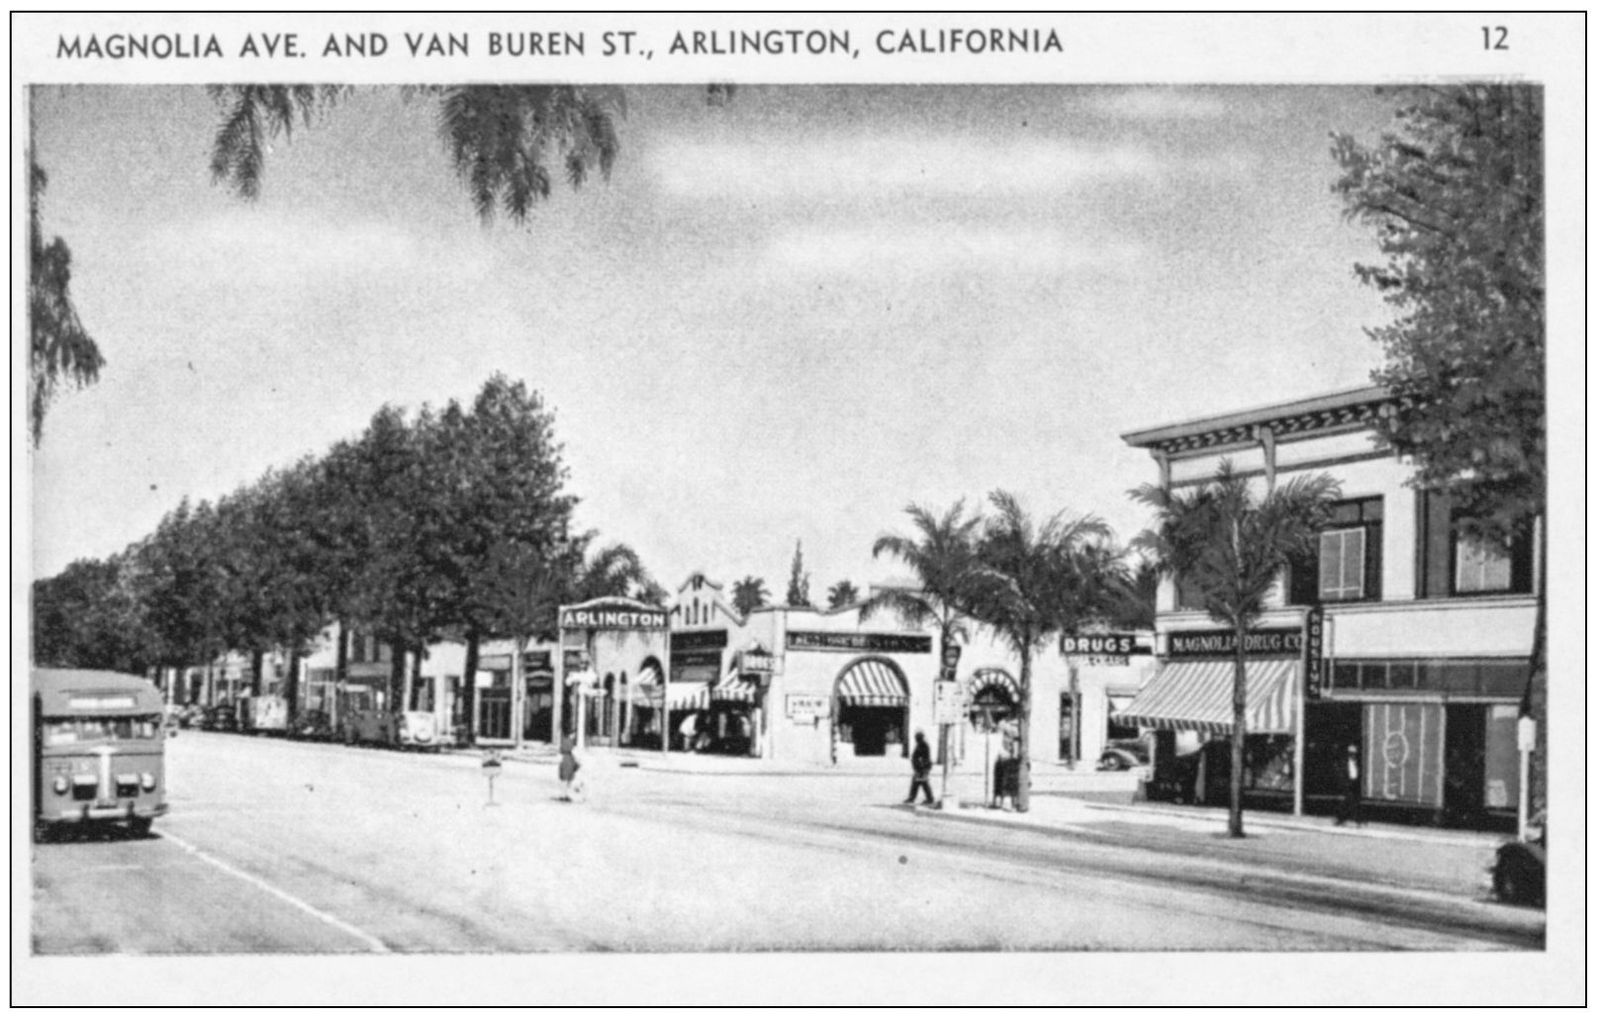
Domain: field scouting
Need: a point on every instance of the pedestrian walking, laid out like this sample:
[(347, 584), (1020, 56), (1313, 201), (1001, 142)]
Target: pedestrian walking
[(921, 765), (1351, 800), (567, 772)]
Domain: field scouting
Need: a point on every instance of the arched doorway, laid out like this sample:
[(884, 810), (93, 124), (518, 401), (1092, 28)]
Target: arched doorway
[(871, 709), (992, 695), (644, 706)]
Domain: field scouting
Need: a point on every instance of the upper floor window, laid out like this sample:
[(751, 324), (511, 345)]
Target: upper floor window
[(1346, 565), (1454, 562), (1481, 566)]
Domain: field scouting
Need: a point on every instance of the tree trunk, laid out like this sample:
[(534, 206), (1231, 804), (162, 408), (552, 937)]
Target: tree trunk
[(397, 675), (1237, 738), (1534, 704), (292, 684), (519, 692), (342, 654), (341, 672), (1025, 694), (470, 688), (257, 658)]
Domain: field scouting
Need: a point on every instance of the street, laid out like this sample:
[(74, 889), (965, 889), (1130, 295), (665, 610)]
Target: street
[(278, 847)]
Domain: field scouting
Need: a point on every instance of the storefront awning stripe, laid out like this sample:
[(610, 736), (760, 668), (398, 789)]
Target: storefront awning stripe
[(992, 677), (687, 695), (1198, 695), (650, 674), (872, 683)]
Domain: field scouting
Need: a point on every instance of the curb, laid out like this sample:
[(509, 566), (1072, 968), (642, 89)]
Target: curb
[(1463, 838)]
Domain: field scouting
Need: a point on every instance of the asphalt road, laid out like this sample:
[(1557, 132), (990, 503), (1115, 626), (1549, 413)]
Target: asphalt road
[(276, 847)]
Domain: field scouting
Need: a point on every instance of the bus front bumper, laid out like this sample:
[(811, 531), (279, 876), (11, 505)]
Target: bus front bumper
[(94, 813)]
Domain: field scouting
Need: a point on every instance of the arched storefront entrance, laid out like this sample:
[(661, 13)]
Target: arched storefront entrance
[(992, 695), (871, 706)]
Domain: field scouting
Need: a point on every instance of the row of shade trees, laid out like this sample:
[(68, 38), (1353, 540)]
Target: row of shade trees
[(451, 522), (1026, 579)]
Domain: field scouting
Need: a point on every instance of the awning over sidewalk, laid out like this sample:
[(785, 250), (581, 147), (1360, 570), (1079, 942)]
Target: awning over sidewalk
[(680, 695), (650, 674), (734, 689), (994, 681), (872, 683), (1197, 695)]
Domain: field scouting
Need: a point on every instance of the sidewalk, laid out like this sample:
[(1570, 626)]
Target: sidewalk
[(1052, 809), (1060, 798)]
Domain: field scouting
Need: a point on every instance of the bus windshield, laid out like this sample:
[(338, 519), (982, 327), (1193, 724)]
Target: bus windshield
[(70, 730)]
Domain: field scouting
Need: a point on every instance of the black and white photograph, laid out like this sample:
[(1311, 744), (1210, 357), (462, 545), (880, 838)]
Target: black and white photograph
[(797, 509)]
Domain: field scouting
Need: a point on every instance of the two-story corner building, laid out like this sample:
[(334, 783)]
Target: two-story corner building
[(1404, 636)]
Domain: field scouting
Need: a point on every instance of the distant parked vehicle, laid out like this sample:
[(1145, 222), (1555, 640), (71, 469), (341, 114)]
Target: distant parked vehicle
[(312, 725), (1519, 874), (192, 715), (264, 714), (1125, 754), (221, 718), (362, 721)]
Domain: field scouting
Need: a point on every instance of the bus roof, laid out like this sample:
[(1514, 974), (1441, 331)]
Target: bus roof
[(111, 693)]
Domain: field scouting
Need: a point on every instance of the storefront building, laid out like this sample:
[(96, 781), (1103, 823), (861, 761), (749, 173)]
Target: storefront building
[(1402, 635), (1107, 669), (822, 686)]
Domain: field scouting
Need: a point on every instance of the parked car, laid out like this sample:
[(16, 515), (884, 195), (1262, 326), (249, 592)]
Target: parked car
[(1519, 874), (362, 721), (193, 715), (222, 718), (1125, 754), (313, 725)]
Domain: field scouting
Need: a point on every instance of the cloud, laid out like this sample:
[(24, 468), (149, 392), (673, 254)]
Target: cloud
[(935, 249), (1158, 104), (849, 168)]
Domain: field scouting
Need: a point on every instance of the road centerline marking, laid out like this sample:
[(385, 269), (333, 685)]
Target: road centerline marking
[(374, 944)]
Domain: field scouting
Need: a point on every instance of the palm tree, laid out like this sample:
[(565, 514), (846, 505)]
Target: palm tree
[(502, 139), (1232, 546), (941, 558), (750, 593), (60, 347), (1032, 580), (843, 594), (1134, 597)]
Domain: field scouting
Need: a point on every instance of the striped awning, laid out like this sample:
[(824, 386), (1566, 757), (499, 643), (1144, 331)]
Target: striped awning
[(734, 689), (992, 678), (1197, 695), (650, 674), (872, 683), (680, 695), (687, 695)]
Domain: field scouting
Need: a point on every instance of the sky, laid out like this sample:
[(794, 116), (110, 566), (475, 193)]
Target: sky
[(783, 319)]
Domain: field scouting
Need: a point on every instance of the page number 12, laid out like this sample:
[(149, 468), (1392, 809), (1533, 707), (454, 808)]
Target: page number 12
[(1495, 37)]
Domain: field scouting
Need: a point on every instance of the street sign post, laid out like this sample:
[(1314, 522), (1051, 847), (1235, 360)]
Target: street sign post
[(948, 711), (492, 769)]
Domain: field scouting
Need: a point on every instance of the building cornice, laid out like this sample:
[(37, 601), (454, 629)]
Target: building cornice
[(1338, 411)]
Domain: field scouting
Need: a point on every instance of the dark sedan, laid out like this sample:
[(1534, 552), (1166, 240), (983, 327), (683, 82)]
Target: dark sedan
[(1124, 754)]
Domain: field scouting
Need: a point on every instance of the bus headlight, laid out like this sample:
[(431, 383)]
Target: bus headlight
[(147, 781), (59, 785)]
